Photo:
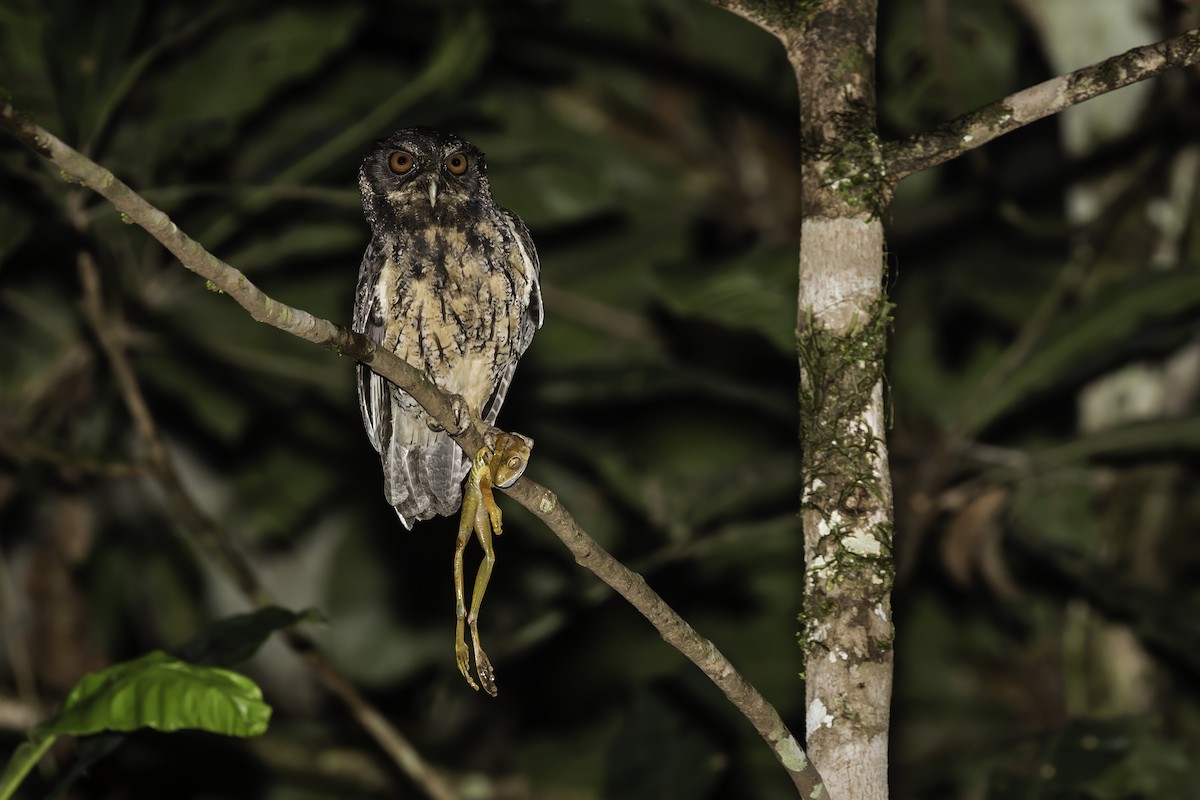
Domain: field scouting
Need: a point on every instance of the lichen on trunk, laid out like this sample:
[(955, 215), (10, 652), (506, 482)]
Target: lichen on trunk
[(846, 496)]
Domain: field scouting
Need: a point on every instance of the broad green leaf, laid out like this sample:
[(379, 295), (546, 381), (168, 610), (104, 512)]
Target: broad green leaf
[(164, 693), (154, 691), (250, 351)]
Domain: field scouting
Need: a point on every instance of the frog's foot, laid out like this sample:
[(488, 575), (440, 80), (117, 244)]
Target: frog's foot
[(483, 665), (462, 417), (463, 656)]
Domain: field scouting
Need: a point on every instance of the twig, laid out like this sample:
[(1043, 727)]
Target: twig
[(979, 127), (156, 452), (673, 628), (541, 501), (224, 278), (23, 450)]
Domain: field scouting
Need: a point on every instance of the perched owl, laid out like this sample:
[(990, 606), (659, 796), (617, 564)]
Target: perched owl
[(449, 283)]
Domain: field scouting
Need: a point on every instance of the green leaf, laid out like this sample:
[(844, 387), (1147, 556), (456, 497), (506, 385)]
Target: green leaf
[(212, 84), (1111, 328), (237, 638), (755, 293), (164, 693), (965, 61), (1143, 439)]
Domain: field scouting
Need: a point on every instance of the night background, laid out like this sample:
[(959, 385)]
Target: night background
[(1043, 384)]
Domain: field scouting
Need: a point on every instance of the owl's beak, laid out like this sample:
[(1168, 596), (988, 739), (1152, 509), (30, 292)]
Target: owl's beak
[(433, 193)]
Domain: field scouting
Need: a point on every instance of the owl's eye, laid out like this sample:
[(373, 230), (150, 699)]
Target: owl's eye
[(457, 163), (400, 162)]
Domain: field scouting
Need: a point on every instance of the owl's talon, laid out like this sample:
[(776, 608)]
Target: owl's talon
[(462, 414), (462, 417)]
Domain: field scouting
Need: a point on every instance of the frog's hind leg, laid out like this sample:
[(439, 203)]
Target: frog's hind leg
[(461, 654), (483, 666)]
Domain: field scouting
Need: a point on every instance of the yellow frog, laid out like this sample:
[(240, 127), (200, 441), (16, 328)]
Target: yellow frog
[(499, 465)]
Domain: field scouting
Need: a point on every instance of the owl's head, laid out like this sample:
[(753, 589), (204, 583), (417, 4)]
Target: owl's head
[(421, 172)]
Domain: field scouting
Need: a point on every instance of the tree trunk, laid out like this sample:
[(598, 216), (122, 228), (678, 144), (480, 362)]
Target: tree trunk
[(841, 338)]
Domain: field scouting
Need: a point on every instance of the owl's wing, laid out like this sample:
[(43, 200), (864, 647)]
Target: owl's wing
[(524, 261), (373, 400), (422, 468), (532, 267)]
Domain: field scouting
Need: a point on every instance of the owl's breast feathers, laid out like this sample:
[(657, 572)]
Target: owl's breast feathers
[(456, 303), (459, 299)]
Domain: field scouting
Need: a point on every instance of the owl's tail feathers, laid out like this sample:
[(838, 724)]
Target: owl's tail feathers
[(423, 480)]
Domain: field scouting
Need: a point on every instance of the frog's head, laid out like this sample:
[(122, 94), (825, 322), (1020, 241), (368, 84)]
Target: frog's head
[(510, 459)]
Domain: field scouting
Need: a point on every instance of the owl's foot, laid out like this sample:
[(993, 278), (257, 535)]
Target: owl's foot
[(462, 655), (462, 417), (483, 665)]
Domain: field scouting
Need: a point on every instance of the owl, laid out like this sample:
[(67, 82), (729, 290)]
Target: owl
[(450, 284)]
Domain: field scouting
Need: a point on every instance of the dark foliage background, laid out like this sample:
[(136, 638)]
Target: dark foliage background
[(1043, 381)]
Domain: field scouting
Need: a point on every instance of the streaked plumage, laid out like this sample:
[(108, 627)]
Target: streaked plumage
[(449, 283)]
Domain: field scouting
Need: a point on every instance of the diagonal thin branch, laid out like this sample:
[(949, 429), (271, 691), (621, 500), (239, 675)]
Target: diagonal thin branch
[(541, 501), (979, 127)]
